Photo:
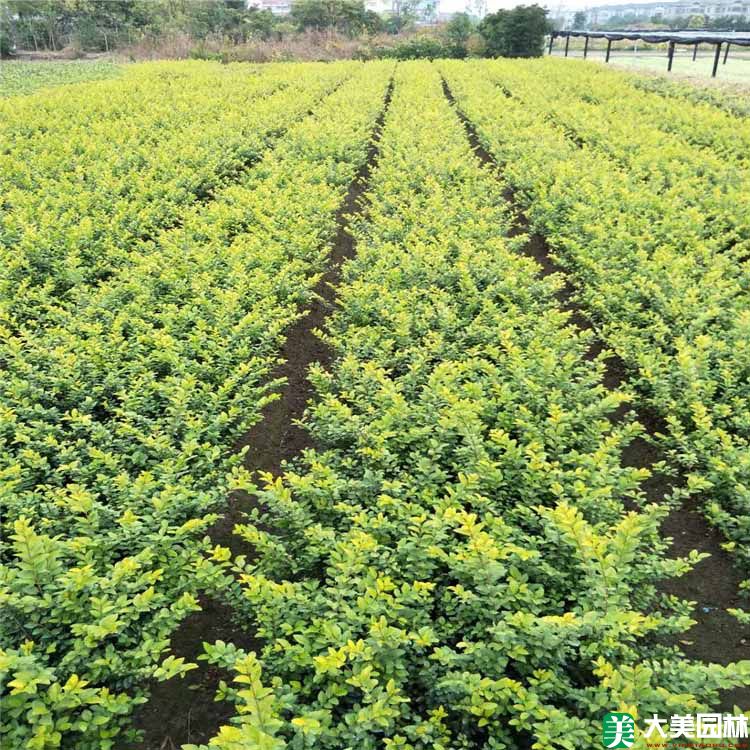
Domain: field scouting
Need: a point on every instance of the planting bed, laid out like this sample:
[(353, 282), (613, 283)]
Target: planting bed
[(371, 406)]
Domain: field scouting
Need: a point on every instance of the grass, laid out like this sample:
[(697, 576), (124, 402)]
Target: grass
[(26, 77), (736, 70)]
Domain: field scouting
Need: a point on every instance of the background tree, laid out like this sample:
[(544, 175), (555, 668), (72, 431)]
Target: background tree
[(91, 24), (347, 16), (40, 23), (579, 20), (729, 23), (373, 22), (105, 24), (258, 23), (458, 30), (6, 38), (405, 12), (518, 32)]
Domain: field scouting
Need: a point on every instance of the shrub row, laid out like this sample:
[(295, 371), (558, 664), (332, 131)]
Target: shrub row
[(657, 236), (116, 423), (88, 177), (601, 97), (454, 566), (733, 101)]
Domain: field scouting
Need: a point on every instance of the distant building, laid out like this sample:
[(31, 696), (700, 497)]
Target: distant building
[(379, 6), (277, 7), (601, 14), (736, 9), (563, 17)]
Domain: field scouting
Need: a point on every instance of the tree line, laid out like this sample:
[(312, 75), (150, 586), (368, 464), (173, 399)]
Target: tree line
[(659, 21), (106, 25)]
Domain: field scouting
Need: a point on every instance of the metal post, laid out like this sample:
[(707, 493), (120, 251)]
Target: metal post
[(726, 53), (567, 44), (551, 39), (609, 47), (670, 56), (585, 48), (716, 60), (695, 51)]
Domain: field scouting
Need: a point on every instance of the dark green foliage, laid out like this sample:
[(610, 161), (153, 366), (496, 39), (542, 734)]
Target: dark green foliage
[(518, 32), (373, 22), (459, 29), (728, 23), (108, 24), (5, 48), (347, 16), (422, 48), (93, 24), (259, 23)]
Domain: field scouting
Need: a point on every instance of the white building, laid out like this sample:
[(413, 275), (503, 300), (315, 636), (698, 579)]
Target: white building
[(565, 16), (277, 7), (379, 6), (645, 11)]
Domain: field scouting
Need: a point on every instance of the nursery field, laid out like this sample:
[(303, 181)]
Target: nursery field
[(374, 406), (19, 77)]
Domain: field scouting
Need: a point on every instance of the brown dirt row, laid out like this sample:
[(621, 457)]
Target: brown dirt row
[(183, 710), (714, 583)]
